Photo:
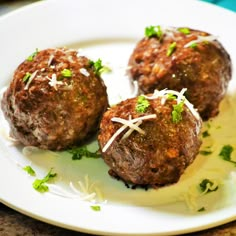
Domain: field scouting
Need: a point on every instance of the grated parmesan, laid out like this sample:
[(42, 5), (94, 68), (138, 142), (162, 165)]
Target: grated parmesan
[(127, 123), (201, 39), (84, 72), (33, 75), (163, 94)]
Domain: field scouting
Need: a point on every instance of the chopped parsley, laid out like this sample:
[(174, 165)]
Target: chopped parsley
[(205, 152), (171, 96), (40, 184), (26, 77), (79, 152), (67, 73), (177, 112), (207, 186), (205, 134), (171, 49), (201, 209), (154, 31), (193, 45), (142, 104), (98, 67), (184, 30), (29, 170), (95, 208), (226, 152), (31, 57)]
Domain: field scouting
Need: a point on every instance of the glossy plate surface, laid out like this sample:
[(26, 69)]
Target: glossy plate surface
[(109, 30)]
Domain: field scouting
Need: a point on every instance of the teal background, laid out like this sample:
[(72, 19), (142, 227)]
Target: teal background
[(229, 4)]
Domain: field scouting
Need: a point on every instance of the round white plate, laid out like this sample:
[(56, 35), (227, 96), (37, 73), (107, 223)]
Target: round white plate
[(109, 30)]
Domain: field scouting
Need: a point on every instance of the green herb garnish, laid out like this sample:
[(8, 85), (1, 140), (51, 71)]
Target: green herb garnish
[(26, 77), (142, 104), (29, 170), (79, 152), (177, 112), (171, 96), (205, 152), (67, 73), (207, 186), (226, 152), (40, 184), (154, 31), (184, 30), (96, 208), (205, 134), (98, 67), (193, 45), (31, 57), (201, 209), (171, 49)]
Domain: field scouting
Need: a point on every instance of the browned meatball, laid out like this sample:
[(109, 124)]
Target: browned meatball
[(166, 142), (55, 100), (177, 58)]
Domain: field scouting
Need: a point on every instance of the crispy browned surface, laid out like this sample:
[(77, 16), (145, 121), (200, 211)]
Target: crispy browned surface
[(161, 155), (54, 117), (204, 70)]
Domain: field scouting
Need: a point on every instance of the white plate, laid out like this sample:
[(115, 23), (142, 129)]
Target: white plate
[(109, 30)]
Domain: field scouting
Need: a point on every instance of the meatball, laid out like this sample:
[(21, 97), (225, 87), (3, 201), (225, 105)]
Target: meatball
[(177, 58), (150, 140), (55, 99)]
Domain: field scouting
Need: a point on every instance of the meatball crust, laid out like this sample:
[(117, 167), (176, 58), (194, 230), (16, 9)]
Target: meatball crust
[(155, 158), (203, 67), (55, 100)]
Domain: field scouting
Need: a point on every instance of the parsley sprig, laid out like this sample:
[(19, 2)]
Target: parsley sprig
[(32, 56), (142, 104), (98, 67), (79, 152), (177, 112), (207, 186), (154, 31), (226, 152), (29, 170)]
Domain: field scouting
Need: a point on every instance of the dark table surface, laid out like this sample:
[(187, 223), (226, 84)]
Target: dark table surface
[(14, 223)]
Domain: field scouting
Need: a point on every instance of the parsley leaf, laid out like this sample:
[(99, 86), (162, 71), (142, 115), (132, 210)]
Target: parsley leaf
[(26, 77), (207, 186), (171, 49), (96, 208), (67, 73), (154, 31), (79, 152), (40, 184), (98, 67), (31, 57), (29, 170), (142, 104), (205, 134), (184, 30), (176, 113), (226, 152)]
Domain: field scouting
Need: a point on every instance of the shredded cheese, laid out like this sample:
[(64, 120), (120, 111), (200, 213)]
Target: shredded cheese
[(127, 123), (33, 75), (50, 59), (54, 82), (163, 94), (201, 39), (84, 72)]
